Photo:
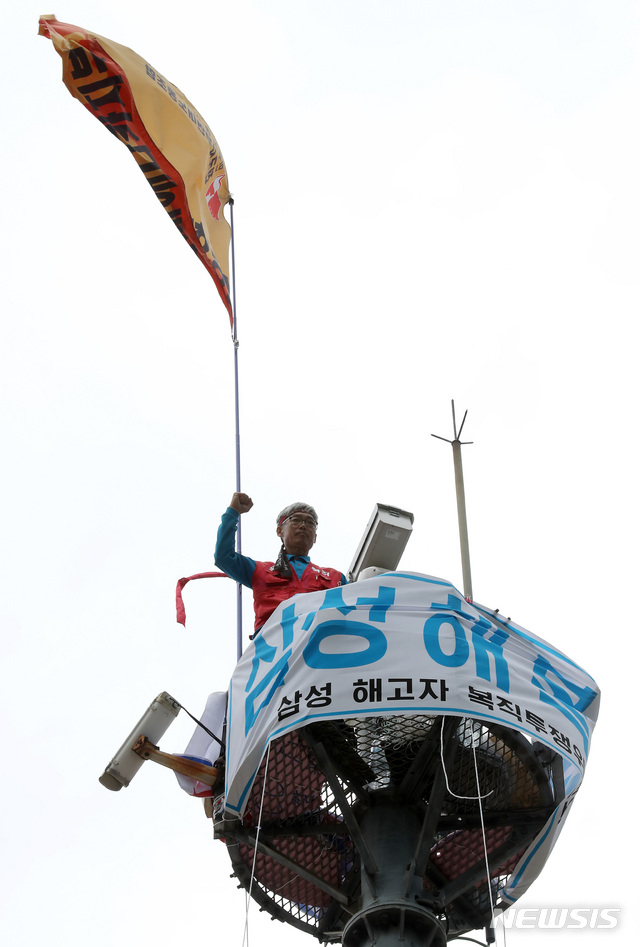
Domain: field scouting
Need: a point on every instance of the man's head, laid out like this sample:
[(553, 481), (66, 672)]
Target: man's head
[(296, 527)]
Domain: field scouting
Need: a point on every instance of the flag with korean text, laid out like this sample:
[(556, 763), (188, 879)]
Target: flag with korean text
[(170, 141)]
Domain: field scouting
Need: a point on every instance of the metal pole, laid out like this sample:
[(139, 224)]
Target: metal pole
[(237, 429), (462, 519), (456, 444), (389, 915)]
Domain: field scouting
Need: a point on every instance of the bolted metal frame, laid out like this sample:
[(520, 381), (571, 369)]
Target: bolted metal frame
[(372, 831)]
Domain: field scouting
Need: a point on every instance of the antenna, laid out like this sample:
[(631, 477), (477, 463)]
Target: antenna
[(456, 444)]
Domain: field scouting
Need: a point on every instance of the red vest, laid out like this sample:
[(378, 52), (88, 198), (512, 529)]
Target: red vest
[(270, 588)]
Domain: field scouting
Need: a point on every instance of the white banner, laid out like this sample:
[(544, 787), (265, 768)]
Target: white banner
[(401, 643)]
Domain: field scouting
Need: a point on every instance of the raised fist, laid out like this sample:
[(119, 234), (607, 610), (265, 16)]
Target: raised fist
[(241, 502)]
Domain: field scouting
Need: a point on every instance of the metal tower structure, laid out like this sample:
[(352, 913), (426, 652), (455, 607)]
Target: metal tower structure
[(400, 831)]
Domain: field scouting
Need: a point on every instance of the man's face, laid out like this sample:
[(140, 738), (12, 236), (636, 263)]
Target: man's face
[(298, 533)]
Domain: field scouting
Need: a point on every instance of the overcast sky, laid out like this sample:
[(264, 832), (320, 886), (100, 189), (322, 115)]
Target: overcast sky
[(434, 200)]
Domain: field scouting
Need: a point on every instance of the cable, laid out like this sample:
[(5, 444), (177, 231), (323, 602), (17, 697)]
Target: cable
[(479, 797), (444, 770), (245, 940), (200, 724), (491, 926)]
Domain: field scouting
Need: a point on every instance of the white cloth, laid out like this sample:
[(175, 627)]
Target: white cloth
[(203, 747)]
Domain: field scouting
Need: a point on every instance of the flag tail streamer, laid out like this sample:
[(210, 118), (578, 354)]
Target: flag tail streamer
[(181, 615), (170, 141)]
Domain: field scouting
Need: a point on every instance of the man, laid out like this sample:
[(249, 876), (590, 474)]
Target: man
[(292, 572), (272, 583)]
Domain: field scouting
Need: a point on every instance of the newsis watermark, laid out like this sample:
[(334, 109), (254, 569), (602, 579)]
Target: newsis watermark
[(560, 918)]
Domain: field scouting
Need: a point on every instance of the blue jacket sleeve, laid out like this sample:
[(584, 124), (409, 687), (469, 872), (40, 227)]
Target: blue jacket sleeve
[(236, 566)]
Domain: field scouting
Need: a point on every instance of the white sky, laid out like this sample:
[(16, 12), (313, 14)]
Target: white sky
[(434, 200)]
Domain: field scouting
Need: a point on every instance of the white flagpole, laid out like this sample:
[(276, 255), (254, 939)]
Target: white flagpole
[(237, 428)]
